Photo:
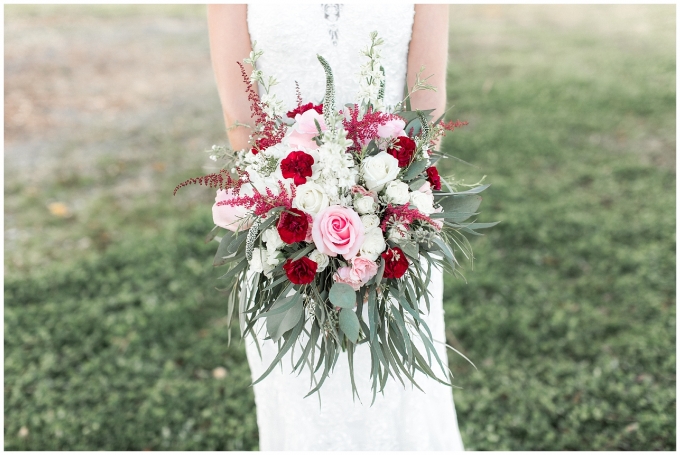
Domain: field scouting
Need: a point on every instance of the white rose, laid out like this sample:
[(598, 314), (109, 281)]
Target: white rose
[(310, 197), (259, 263), (370, 222), (423, 202), (396, 192), (374, 244), (273, 240), (364, 204), (320, 259), (398, 234), (379, 169)]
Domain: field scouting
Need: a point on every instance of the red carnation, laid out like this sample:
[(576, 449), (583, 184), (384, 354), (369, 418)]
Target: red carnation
[(396, 263), (297, 166), (403, 150), (293, 226), (433, 178), (301, 271), (304, 108)]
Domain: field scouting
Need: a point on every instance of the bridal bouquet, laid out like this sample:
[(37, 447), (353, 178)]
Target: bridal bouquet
[(332, 221)]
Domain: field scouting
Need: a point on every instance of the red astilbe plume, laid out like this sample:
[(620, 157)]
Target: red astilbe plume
[(446, 126), (362, 131), (271, 132), (221, 180), (451, 125), (401, 214), (260, 203)]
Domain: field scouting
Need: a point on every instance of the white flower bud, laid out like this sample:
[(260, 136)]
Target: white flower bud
[(320, 259), (379, 169), (423, 202), (364, 205), (374, 244), (370, 222), (396, 192), (311, 198)]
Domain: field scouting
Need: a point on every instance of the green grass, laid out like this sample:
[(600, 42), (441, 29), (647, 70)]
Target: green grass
[(569, 313)]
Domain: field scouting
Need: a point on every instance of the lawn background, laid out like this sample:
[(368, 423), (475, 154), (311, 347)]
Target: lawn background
[(116, 339)]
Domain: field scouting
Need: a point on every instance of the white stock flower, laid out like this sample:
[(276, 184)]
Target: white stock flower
[(370, 222), (379, 169), (320, 259), (374, 244), (273, 240), (398, 233), (310, 197), (423, 202), (274, 258), (396, 192), (259, 262), (364, 205)]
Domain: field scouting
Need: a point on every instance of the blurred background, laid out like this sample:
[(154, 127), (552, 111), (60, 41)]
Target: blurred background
[(115, 337)]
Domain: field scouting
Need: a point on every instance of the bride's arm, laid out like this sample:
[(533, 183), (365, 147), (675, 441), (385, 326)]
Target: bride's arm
[(429, 47), (230, 43)]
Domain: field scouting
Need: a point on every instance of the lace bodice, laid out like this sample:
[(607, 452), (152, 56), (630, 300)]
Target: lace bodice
[(336, 32)]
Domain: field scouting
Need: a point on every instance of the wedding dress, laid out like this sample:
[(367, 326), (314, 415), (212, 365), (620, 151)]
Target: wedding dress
[(402, 418)]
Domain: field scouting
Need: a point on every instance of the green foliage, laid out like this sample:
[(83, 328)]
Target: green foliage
[(569, 313), (125, 352)]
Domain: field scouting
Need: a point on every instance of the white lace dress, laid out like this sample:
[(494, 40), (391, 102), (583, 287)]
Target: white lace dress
[(403, 418)]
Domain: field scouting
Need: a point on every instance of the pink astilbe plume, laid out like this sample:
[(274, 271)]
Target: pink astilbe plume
[(366, 129), (260, 203), (401, 214)]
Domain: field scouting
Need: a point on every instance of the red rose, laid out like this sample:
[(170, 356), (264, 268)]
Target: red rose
[(293, 226), (297, 166), (433, 178), (304, 108), (301, 271), (403, 150), (396, 263)]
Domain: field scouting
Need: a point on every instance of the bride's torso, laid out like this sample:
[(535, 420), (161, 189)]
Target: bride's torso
[(291, 36)]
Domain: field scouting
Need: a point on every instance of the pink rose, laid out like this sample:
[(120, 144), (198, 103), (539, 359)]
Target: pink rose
[(392, 129), (344, 275), (338, 230), (363, 269), (358, 274), (304, 129), (228, 216), (426, 188)]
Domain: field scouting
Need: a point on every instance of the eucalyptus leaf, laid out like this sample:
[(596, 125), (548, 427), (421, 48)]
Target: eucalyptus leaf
[(214, 232), (235, 270), (415, 186), (481, 225), (416, 168), (280, 323), (222, 253), (349, 323), (342, 295), (460, 203), (411, 249), (475, 190)]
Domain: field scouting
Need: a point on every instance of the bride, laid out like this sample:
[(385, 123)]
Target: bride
[(291, 35)]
